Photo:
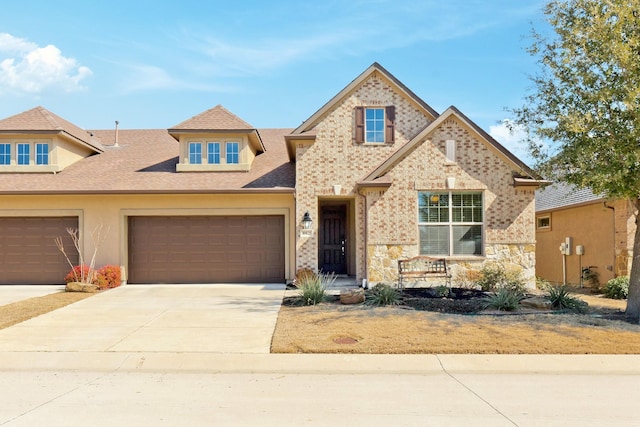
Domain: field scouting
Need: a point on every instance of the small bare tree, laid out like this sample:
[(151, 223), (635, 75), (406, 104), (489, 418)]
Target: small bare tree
[(97, 237)]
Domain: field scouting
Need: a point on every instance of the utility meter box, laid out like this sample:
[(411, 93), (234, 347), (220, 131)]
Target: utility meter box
[(565, 247), (579, 249)]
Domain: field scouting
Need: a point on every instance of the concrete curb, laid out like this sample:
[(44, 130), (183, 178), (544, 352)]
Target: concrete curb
[(320, 363)]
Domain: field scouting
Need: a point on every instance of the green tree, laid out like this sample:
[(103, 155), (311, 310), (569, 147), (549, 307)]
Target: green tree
[(585, 103)]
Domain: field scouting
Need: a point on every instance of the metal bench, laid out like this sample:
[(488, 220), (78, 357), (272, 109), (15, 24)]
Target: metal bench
[(422, 268)]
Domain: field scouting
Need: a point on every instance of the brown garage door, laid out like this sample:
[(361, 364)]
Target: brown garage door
[(28, 253), (206, 249)]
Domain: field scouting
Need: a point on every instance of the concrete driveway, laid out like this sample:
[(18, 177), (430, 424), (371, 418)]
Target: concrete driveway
[(156, 318)]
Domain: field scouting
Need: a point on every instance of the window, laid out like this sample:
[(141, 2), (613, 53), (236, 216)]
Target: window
[(42, 154), (5, 154), (375, 125), (213, 153), (543, 222), (195, 153), (23, 154), (233, 152), (450, 223)]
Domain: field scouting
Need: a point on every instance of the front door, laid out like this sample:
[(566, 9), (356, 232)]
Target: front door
[(333, 239)]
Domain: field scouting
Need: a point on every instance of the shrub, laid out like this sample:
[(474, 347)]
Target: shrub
[(108, 277), (493, 277), (560, 299), (80, 273), (313, 287), (504, 299), (304, 274), (617, 288), (383, 294), (466, 279)]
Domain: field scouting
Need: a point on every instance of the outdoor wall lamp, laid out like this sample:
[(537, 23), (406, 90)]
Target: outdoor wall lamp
[(306, 221)]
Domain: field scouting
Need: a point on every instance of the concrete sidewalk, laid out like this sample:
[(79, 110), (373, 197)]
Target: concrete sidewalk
[(199, 356), (14, 293)]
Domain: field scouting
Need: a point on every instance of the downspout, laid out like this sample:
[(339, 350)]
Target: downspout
[(365, 280)]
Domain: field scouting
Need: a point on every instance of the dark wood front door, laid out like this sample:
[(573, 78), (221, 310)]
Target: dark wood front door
[(333, 239)]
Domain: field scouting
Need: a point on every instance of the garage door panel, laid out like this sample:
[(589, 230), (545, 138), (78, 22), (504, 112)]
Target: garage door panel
[(28, 253), (209, 249)]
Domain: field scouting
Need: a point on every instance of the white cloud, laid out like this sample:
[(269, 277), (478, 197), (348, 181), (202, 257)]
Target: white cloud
[(25, 67), (149, 77)]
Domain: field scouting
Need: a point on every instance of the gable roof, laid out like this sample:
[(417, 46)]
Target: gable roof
[(308, 124), (452, 111), (41, 120), (562, 195), (218, 119)]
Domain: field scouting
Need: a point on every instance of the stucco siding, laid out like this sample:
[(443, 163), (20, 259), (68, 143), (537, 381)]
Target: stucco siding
[(111, 211)]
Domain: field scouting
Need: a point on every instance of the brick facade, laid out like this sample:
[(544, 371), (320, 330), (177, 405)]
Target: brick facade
[(385, 220)]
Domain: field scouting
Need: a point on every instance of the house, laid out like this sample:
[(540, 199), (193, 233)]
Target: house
[(599, 233), (376, 174)]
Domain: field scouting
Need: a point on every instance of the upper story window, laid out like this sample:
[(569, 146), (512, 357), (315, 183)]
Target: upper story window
[(23, 154), (233, 152), (375, 125), (5, 154), (195, 153), (450, 223), (213, 153), (42, 154)]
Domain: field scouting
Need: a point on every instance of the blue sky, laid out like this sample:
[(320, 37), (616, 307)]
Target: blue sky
[(153, 64)]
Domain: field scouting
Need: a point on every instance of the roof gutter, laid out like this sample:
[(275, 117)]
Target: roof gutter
[(154, 192)]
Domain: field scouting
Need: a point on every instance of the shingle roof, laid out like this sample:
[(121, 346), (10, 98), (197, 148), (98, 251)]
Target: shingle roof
[(40, 119), (216, 118), (562, 195), (145, 162)]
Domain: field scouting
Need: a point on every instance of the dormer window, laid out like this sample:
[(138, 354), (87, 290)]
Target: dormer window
[(23, 154), (42, 154), (213, 153), (5, 154), (195, 153), (233, 151), (228, 153)]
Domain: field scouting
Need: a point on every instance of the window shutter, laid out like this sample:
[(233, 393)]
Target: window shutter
[(359, 136), (389, 124)]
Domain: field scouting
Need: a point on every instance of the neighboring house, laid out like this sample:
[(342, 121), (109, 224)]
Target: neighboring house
[(604, 228), (378, 172)]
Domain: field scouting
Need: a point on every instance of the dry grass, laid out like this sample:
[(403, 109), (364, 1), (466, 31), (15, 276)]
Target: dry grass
[(20, 311), (331, 328)]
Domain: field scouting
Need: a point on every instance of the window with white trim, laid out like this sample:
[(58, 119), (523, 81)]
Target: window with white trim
[(375, 125), (450, 223), (23, 153), (195, 153), (5, 154), (233, 152), (42, 153), (213, 153)]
